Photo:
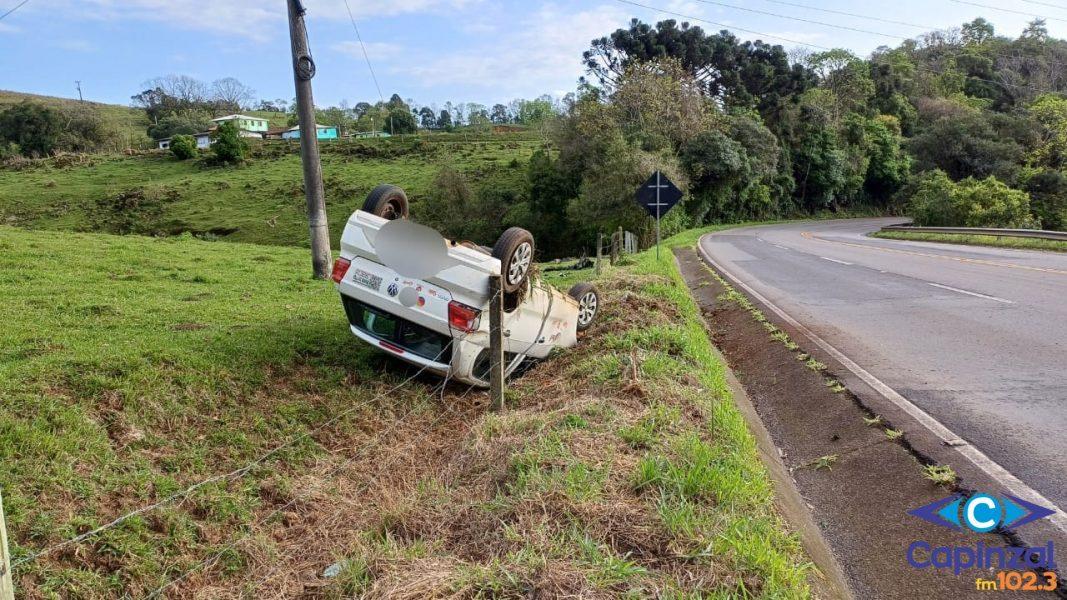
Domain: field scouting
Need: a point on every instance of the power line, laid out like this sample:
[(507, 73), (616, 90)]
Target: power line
[(370, 68), (724, 25), (1008, 10), (17, 6), (363, 46), (849, 14), (924, 27), (803, 20), (1049, 4), (816, 46)]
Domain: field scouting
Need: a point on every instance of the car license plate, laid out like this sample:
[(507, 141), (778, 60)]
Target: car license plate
[(365, 279)]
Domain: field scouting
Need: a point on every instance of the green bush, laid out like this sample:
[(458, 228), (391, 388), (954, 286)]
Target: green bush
[(937, 201), (1048, 199), (34, 128), (229, 146), (183, 147)]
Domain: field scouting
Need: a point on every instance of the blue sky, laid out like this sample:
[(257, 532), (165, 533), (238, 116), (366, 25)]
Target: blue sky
[(430, 50)]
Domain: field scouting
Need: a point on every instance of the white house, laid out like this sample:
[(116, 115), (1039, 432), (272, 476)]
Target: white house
[(164, 144), (203, 139)]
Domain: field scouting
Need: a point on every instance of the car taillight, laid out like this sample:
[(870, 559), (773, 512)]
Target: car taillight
[(340, 267), (462, 317)]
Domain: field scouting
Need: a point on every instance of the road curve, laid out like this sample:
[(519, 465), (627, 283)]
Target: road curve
[(976, 337)]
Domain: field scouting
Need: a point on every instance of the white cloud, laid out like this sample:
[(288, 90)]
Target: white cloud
[(377, 51), (257, 20), (540, 53)]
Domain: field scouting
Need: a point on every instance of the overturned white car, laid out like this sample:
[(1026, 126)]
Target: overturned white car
[(409, 291)]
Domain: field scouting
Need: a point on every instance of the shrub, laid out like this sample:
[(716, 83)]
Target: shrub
[(931, 200), (229, 146), (183, 147), (937, 201), (1048, 199), (33, 127)]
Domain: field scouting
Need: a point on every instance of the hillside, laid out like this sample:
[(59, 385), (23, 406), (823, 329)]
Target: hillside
[(134, 368), (261, 202), (130, 122)]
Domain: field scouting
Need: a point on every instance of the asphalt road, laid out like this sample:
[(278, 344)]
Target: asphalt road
[(976, 337)]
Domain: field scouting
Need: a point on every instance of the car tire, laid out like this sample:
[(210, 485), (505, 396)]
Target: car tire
[(588, 299), (515, 250), (388, 202)]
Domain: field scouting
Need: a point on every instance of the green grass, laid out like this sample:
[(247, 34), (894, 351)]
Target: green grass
[(976, 240), (259, 202), (130, 123), (131, 367)]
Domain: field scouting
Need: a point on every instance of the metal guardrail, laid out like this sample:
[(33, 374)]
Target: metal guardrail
[(1021, 233)]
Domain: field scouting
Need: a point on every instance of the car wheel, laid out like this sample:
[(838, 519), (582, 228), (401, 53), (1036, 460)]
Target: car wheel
[(588, 303), (388, 202), (515, 250)]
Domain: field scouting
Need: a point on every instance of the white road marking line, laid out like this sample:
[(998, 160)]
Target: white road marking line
[(991, 468), (975, 294), (779, 247), (840, 262)]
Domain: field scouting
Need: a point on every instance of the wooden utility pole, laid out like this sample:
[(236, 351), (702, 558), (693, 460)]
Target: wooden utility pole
[(496, 341), (303, 71), (7, 585)]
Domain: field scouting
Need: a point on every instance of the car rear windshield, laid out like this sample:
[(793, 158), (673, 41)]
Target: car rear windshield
[(395, 330)]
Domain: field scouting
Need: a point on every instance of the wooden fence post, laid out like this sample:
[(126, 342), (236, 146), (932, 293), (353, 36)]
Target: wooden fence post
[(7, 582), (599, 251), (496, 341)]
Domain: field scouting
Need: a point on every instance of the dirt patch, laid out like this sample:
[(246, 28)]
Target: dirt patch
[(858, 480)]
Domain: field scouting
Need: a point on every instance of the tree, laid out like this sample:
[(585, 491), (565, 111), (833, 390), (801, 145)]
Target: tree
[(735, 73), (183, 147), (33, 127), (400, 120), (1050, 113), (977, 32), (228, 145), (230, 93), (427, 119), (499, 114), (180, 123), (534, 112), (1048, 199), (967, 145), (444, 120)]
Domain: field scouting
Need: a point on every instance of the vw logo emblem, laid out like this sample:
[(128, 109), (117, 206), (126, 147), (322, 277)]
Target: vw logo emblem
[(393, 289)]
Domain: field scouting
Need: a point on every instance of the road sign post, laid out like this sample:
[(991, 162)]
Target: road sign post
[(496, 341), (658, 196)]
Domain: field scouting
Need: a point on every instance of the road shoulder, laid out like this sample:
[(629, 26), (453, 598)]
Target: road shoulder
[(827, 447)]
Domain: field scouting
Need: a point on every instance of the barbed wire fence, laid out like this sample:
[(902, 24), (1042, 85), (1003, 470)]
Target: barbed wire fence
[(231, 475), (215, 557)]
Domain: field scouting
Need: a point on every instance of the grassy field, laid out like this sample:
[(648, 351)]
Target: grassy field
[(129, 122), (132, 367), (261, 201), (976, 240)]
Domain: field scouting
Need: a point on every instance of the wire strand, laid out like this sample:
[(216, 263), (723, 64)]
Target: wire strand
[(819, 47), (1007, 10), (234, 474), (16, 7), (214, 558), (366, 56)]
